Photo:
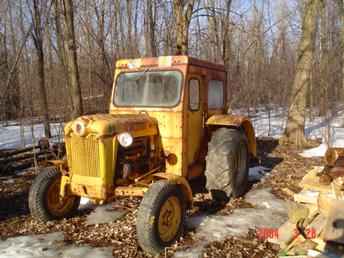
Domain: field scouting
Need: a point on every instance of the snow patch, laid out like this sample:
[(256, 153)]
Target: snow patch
[(257, 173), (266, 123), (273, 124), (337, 137), (315, 152), (86, 203), (271, 213), (104, 214), (14, 136), (48, 245)]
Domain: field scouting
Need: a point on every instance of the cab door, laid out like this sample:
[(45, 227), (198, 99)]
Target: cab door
[(195, 112)]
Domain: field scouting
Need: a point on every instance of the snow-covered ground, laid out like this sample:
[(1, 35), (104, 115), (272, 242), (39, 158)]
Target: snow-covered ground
[(315, 152), (15, 136), (273, 125), (48, 245), (329, 129), (268, 214), (265, 124)]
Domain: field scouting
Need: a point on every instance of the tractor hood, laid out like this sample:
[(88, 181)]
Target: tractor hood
[(109, 125)]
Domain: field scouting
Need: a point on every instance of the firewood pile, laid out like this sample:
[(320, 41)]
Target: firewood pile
[(316, 216), (22, 158)]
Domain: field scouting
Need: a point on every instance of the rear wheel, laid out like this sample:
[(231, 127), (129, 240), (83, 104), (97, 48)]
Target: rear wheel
[(160, 218), (227, 164), (45, 202)]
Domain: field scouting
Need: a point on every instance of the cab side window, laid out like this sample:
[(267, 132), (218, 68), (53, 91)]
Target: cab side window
[(215, 94), (194, 94)]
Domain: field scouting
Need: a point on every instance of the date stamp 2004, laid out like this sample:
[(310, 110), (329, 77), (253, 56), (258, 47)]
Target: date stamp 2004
[(273, 233)]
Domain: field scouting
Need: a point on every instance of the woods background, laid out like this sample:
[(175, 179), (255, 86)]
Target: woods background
[(50, 50)]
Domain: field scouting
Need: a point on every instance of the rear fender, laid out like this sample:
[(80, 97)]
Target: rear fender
[(239, 122), (180, 181)]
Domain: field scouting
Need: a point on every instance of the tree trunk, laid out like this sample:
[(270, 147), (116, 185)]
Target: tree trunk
[(297, 106), (182, 15), (4, 71), (129, 42), (13, 98), (38, 42), (226, 47), (323, 108), (71, 59), (43, 92), (149, 25), (341, 12), (61, 53)]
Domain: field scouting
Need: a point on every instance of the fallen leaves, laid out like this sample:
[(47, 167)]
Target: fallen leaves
[(288, 168)]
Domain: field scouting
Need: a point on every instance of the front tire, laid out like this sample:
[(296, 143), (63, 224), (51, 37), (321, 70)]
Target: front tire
[(44, 197), (160, 218), (227, 164)]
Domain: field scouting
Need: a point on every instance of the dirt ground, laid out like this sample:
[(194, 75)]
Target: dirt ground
[(287, 166)]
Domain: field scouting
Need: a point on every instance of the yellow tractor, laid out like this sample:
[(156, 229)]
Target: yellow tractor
[(167, 127)]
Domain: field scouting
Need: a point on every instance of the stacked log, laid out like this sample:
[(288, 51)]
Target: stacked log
[(316, 218), (19, 159)]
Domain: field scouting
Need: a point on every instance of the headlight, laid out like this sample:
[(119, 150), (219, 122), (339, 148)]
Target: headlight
[(79, 128), (125, 139)]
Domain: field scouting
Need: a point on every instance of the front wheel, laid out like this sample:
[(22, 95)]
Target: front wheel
[(45, 202), (160, 218)]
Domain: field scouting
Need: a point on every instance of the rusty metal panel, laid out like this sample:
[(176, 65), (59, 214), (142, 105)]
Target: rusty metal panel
[(226, 119), (166, 61), (83, 155), (174, 146), (91, 187), (171, 132), (110, 124)]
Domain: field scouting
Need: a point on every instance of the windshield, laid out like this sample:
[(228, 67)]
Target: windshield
[(148, 88)]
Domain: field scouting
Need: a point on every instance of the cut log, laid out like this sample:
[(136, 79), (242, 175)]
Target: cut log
[(311, 181), (303, 247), (297, 211), (312, 231), (286, 234), (321, 244), (336, 172), (307, 196), (334, 229), (288, 192), (325, 202)]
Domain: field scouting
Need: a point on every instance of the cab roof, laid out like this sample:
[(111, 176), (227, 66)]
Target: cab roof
[(166, 61)]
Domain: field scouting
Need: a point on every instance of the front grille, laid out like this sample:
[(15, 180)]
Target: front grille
[(83, 155)]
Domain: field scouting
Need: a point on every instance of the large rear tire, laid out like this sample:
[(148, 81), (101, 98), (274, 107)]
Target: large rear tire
[(160, 218), (45, 202), (227, 164)]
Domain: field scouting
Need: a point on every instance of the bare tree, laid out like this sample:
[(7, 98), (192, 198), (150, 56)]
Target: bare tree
[(39, 13), (71, 58), (297, 107), (149, 27), (182, 13), (324, 65), (341, 13), (257, 45)]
